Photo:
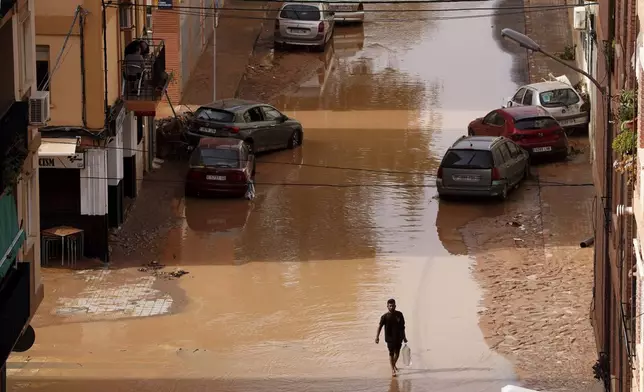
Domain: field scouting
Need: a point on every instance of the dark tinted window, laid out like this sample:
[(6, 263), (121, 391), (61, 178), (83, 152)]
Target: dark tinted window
[(271, 114), (518, 97), (527, 99), (529, 124), (216, 157), (560, 97), (514, 149), (214, 115), (505, 152), (300, 12), (468, 159)]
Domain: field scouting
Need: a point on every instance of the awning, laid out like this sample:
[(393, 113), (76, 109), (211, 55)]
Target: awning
[(11, 235), (59, 147)]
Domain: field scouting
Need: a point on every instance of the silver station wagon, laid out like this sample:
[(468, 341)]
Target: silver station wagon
[(482, 166)]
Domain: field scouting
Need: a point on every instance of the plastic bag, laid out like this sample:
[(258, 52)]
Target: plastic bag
[(405, 354), (250, 193)]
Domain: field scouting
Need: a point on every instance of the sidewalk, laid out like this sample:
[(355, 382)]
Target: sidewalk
[(553, 39), (236, 38)]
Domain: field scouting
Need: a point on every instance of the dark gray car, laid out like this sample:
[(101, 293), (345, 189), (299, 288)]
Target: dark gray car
[(262, 126), (482, 166)]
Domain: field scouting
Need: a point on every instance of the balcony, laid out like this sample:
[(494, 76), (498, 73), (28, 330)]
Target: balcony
[(144, 77)]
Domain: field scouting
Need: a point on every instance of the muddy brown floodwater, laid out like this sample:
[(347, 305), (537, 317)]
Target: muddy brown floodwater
[(284, 292)]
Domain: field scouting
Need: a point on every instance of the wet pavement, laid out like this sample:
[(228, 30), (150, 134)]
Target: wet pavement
[(284, 292)]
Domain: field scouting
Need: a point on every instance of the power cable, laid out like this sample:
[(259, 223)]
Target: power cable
[(332, 167), (378, 20), (45, 83), (462, 9)]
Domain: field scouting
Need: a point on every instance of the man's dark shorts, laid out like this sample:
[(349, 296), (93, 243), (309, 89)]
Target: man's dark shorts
[(394, 348)]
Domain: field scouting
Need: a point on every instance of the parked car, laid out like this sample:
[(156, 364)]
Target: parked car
[(223, 166), (347, 12), (531, 127), (306, 24), (562, 101), (261, 126), (482, 166)]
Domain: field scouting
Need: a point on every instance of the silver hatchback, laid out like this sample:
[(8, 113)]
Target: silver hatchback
[(308, 24), (482, 166)]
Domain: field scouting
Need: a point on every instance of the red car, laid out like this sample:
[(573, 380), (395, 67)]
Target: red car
[(221, 166), (531, 127)]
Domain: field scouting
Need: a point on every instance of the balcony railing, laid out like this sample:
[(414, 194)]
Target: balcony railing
[(144, 75)]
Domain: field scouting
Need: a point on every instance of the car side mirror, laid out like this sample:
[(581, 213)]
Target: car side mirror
[(283, 118)]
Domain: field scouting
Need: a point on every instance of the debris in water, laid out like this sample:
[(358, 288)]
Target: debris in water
[(155, 269), (514, 224), (178, 273)]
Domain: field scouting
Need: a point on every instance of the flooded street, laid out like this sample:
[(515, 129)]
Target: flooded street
[(284, 293)]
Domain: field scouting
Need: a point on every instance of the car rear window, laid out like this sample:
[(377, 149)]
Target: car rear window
[(216, 157), (209, 114), (530, 124), (558, 97), (300, 12), (468, 159)]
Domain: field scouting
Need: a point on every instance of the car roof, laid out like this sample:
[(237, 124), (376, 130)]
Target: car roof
[(220, 142), (476, 142), (231, 105), (523, 112), (315, 4), (550, 85)]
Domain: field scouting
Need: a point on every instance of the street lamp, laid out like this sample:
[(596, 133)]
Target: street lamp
[(528, 43)]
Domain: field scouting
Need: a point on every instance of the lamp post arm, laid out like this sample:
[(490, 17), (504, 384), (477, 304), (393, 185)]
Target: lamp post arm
[(601, 89)]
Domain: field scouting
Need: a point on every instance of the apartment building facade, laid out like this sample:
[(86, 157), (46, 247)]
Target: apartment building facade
[(102, 105), (21, 289), (607, 33), (186, 27)]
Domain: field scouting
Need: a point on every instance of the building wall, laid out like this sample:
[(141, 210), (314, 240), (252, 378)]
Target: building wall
[(53, 22)]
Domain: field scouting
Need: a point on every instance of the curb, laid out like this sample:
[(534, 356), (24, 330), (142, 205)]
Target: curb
[(267, 8)]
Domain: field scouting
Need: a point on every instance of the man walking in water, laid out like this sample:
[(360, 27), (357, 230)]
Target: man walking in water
[(394, 324)]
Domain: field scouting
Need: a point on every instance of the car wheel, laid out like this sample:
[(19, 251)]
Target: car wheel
[(295, 140), (504, 193), (278, 46), (470, 132), (526, 172)]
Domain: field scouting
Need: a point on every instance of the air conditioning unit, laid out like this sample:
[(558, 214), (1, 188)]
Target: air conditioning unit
[(39, 108), (579, 18)]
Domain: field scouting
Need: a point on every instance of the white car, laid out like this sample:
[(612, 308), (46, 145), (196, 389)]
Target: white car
[(306, 24), (562, 101), (347, 12)]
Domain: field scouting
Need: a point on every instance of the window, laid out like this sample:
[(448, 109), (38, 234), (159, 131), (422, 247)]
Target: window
[(558, 98), (300, 12), (519, 95), (209, 114), (468, 159), (505, 152), (535, 123), (271, 114), (527, 99), (514, 150), (125, 15), (42, 67), (219, 157), (494, 119), (253, 115)]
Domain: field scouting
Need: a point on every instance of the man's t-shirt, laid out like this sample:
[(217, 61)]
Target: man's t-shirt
[(394, 324)]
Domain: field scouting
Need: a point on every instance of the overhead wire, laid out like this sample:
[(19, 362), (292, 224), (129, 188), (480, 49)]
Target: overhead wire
[(60, 57)]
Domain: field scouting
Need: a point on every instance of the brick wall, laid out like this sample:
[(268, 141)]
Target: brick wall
[(165, 26)]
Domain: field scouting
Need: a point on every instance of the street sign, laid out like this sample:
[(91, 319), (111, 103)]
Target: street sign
[(76, 161), (164, 4)]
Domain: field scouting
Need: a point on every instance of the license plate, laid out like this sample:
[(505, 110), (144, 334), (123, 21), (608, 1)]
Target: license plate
[(216, 178), (541, 149), (208, 130), (343, 8), (565, 123), (299, 31), (466, 178)]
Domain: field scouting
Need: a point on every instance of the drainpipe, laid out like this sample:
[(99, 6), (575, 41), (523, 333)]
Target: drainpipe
[(82, 64), (107, 106), (608, 180)]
